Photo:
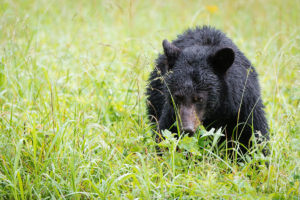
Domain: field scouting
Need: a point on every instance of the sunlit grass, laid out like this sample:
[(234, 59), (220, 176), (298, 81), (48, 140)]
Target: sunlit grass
[(73, 121)]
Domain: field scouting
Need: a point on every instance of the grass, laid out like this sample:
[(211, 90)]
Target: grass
[(73, 121)]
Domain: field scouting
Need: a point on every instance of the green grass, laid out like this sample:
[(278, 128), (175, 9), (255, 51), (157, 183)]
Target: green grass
[(73, 122)]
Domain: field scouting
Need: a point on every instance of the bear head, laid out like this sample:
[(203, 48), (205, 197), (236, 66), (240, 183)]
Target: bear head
[(195, 81)]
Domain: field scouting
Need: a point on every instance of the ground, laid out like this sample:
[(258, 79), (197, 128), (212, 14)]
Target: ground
[(73, 121)]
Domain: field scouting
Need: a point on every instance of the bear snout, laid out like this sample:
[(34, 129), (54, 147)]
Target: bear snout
[(189, 119), (190, 130)]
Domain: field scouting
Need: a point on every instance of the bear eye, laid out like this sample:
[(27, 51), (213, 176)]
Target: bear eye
[(198, 99), (178, 97)]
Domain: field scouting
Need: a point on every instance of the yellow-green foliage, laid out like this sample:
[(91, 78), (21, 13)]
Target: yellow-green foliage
[(73, 123)]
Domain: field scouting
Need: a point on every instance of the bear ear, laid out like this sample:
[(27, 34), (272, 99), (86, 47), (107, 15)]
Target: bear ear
[(171, 52), (222, 59)]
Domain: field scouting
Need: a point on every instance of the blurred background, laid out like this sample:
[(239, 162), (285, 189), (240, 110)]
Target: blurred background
[(72, 82)]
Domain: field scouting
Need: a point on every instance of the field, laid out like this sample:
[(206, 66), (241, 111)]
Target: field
[(73, 122)]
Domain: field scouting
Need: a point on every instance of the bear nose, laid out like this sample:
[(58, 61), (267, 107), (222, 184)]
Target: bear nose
[(189, 130)]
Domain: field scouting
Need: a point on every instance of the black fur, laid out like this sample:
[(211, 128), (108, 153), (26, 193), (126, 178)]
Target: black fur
[(205, 59)]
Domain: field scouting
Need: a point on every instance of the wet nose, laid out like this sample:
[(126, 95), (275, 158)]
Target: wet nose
[(189, 130)]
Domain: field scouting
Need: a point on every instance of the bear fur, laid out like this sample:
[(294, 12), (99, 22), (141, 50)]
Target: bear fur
[(203, 78)]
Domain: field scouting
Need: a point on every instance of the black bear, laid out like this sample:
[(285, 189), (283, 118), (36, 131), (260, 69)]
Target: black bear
[(203, 78)]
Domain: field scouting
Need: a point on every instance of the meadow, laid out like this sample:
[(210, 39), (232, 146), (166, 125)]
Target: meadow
[(73, 122)]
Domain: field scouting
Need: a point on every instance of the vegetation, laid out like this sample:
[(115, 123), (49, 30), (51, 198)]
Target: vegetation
[(73, 123)]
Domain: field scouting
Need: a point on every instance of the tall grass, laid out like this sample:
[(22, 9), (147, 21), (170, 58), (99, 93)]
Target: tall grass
[(73, 122)]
